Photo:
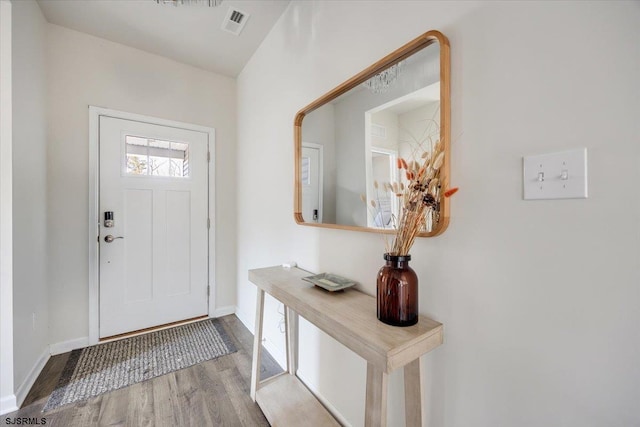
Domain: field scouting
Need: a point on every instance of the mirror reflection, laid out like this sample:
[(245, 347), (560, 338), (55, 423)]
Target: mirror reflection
[(351, 145)]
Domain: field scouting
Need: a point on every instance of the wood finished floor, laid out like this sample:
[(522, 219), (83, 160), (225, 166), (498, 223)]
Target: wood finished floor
[(212, 393)]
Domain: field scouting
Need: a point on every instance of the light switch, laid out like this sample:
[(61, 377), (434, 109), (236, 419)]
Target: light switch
[(556, 176)]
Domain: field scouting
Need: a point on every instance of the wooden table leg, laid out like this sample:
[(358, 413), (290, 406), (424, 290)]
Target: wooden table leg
[(375, 414), (257, 345), (413, 394), (291, 322)]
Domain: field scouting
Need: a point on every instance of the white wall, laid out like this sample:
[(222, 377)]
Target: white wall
[(86, 70), (351, 159), (30, 285), (7, 396), (418, 132), (539, 299), (389, 121)]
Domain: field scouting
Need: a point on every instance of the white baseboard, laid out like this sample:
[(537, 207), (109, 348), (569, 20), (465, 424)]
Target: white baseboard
[(65, 346), (224, 311), (337, 415), (28, 382), (275, 352), (245, 320), (8, 404)]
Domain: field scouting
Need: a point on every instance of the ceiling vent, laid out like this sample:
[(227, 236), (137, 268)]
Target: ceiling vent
[(234, 21)]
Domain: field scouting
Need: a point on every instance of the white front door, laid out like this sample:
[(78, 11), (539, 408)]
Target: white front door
[(311, 183), (153, 183)]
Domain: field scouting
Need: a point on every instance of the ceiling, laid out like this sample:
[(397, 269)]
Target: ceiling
[(190, 34), (413, 100)]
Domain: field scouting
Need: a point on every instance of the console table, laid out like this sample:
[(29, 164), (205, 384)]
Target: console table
[(350, 318)]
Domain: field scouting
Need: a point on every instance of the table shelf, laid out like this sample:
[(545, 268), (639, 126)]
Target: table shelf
[(286, 401)]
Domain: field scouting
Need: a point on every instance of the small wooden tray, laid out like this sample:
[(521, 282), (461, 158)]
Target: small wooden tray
[(330, 282)]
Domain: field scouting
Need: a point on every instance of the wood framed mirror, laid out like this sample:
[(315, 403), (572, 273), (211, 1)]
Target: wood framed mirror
[(348, 142)]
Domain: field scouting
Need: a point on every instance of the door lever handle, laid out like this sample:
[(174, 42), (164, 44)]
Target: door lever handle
[(109, 238)]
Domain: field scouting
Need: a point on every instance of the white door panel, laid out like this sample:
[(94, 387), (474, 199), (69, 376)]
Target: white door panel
[(311, 184), (158, 272)]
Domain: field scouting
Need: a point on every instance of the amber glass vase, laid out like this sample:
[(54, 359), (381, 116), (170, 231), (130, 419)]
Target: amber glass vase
[(397, 291)]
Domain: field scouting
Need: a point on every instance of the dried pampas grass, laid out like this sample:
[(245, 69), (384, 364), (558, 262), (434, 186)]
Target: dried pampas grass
[(420, 197)]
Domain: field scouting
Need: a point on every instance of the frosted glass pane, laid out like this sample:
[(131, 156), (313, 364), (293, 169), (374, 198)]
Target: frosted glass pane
[(306, 172)]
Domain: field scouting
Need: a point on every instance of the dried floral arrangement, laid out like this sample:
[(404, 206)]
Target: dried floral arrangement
[(419, 197)]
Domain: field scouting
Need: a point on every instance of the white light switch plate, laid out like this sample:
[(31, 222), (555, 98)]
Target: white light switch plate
[(556, 176)]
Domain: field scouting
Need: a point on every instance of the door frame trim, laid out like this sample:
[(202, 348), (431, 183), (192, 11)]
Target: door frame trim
[(94, 215)]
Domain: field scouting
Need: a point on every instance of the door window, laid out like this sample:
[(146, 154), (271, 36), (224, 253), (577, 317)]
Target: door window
[(154, 157), (306, 175)]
